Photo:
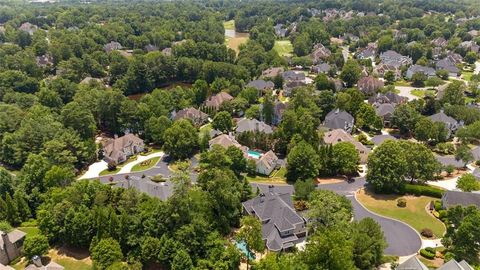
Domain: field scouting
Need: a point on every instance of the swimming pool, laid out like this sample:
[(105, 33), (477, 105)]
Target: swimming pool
[(242, 246), (254, 154)]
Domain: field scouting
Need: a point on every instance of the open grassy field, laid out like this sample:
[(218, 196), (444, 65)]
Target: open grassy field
[(145, 165), (229, 25), (283, 47), (413, 214), (235, 42), (277, 177)]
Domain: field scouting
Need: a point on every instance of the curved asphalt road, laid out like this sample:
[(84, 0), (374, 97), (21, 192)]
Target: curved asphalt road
[(402, 239)]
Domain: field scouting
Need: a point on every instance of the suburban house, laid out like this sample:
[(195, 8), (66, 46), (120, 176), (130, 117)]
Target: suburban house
[(439, 42), (112, 46), (339, 119), (451, 124), (280, 31), (389, 97), (118, 149), (28, 28), (291, 75), (383, 68), (339, 135), (226, 140), (413, 263), (367, 53), (450, 161), (320, 53), (252, 125), (379, 139), (282, 226), (261, 85), (11, 245), (196, 116), (267, 163), (470, 46), (369, 85), (385, 111), (217, 100), (289, 86), (446, 64), (427, 71), (395, 59), (321, 68), (272, 72), (88, 80), (453, 198)]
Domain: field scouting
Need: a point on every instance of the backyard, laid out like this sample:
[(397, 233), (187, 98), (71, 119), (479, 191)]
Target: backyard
[(277, 177), (283, 47), (413, 214)]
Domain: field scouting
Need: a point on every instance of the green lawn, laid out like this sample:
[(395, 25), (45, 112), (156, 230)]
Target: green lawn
[(277, 177), (30, 231), (145, 165), (71, 264), (283, 47), (401, 83), (108, 172), (229, 25), (467, 75), (413, 214), (422, 93)]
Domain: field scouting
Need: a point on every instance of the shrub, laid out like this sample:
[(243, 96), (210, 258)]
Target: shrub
[(442, 214), (300, 205), (438, 205), (112, 166), (419, 190), (426, 232), (401, 202), (427, 254), (448, 256), (477, 162), (431, 250)]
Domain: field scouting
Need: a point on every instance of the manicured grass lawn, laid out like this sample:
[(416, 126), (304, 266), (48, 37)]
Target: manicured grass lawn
[(422, 93), (283, 47), (229, 25), (108, 172), (413, 214), (72, 264), (401, 83), (30, 231), (144, 165), (467, 75), (277, 177)]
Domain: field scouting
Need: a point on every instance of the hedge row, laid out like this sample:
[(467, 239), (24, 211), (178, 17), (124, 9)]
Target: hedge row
[(427, 254), (419, 190)]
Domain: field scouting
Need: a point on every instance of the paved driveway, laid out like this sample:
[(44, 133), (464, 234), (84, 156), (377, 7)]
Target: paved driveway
[(402, 239)]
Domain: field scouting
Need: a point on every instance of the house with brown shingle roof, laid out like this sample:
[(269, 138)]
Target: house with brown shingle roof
[(196, 116), (339, 135), (320, 53), (272, 72), (226, 140), (28, 27), (369, 85), (217, 100), (118, 149)]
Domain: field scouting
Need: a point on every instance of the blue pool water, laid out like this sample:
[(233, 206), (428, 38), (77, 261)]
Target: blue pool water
[(254, 154), (243, 248)]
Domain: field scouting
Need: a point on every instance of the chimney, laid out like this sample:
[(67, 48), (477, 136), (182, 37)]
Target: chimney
[(37, 261), (5, 239)]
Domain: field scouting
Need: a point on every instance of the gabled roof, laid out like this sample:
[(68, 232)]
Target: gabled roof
[(225, 141), (13, 236), (447, 65), (454, 265), (476, 173), (395, 59), (320, 52), (453, 198), (449, 160), (338, 119), (261, 85), (192, 114), (413, 263), (369, 85), (383, 109), (443, 118), (422, 69), (268, 160), (217, 100), (246, 124), (277, 214), (339, 135), (112, 46), (379, 139), (113, 147), (465, 265), (272, 72), (291, 75)]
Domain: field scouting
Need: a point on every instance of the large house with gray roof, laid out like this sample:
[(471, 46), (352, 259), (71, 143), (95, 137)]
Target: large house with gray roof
[(476, 153), (282, 226), (453, 198), (395, 59), (427, 71), (339, 119), (261, 85), (451, 124), (217, 100), (413, 263), (252, 125), (161, 190)]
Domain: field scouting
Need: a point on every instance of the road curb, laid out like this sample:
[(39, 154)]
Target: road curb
[(408, 225)]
